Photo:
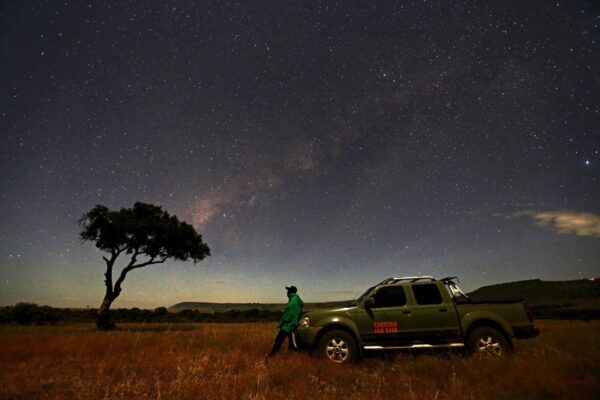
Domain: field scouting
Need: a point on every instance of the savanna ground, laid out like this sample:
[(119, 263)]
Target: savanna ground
[(225, 361)]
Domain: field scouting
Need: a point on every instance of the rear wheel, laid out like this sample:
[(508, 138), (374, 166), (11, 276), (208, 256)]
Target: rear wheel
[(338, 346), (488, 341)]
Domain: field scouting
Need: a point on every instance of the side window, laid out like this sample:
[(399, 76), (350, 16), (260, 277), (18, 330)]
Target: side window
[(390, 296), (427, 294)]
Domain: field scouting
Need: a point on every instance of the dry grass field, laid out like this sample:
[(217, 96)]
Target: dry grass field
[(225, 361)]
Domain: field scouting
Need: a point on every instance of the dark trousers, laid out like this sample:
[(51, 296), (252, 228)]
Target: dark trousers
[(281, 335)]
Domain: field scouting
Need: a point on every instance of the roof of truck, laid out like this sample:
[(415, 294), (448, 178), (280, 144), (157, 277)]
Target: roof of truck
[(411, 279)]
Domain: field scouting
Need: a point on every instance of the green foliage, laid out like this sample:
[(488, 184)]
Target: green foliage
[(143, 229)]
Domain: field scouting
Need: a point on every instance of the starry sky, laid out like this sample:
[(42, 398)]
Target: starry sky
[(324, 144)]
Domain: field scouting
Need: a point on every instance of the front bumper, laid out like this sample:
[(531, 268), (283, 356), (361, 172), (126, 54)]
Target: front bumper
[(526, 332)]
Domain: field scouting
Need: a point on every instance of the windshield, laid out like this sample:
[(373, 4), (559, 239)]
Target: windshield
[(362, 296)]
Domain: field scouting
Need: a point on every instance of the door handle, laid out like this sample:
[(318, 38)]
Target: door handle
[(443, 309), (406, 312)]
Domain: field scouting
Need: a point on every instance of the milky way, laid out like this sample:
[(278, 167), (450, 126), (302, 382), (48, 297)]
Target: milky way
[(323, 144)]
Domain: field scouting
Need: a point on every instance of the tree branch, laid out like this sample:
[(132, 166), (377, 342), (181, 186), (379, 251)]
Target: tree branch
[(131, 266), (149, 262)]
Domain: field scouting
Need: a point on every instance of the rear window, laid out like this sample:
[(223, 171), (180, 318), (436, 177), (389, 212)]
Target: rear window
[(427, 294), (390, 296)]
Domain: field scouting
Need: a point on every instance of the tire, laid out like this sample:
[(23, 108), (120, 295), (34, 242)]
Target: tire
[(338, 346), (488, 341)]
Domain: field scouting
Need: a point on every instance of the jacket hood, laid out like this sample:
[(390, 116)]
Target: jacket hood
[(297, 297)]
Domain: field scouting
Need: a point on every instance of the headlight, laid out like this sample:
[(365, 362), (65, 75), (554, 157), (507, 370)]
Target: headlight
[(305, 322)]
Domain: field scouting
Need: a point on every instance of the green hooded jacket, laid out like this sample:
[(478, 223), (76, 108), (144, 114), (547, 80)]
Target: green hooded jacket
[(291, 315)]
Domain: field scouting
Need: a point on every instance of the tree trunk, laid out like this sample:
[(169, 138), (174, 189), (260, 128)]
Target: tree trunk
[(103, 320)]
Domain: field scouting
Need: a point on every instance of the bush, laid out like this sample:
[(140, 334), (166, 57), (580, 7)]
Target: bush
[(29, 313)]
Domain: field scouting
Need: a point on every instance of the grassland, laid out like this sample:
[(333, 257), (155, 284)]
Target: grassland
[(225, 361)]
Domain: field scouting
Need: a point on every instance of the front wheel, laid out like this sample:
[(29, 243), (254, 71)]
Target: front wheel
[(338, 346), (488, 341)]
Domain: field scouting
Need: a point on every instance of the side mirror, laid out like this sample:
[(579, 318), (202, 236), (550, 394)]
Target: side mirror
[(369, 302)]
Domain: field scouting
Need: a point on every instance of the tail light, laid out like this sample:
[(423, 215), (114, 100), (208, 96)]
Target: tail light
[(528, 311)]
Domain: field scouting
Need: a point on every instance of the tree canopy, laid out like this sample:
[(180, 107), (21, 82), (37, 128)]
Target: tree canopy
[(143, 229)]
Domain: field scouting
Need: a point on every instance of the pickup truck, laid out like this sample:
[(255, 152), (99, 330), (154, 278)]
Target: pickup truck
[(414, 313)]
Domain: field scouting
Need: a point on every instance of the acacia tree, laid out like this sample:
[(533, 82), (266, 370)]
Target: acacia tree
[(144, 231)]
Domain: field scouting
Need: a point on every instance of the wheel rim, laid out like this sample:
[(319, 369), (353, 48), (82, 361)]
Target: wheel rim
[(489, 345), (337, 350)]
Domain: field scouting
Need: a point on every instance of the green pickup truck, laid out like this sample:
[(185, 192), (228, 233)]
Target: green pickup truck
[(413, 313)]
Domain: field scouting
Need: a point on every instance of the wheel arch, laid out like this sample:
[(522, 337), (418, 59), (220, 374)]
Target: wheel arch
[(483, 317), (488, 323), (341, 327)]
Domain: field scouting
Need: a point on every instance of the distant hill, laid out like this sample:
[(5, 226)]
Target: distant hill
[(578, 299), (206, 307), (538, 292)]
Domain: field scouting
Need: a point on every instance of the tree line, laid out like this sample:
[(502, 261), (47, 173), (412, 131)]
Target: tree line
[(33, 314)]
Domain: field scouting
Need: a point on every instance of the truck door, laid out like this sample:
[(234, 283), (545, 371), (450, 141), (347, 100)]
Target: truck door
[(435, 319), (388, 320)]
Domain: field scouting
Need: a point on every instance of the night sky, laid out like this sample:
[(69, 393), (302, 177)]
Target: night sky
[(323, 144)]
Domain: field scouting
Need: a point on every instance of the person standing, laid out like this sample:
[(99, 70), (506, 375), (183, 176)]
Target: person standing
[(289, 321)]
